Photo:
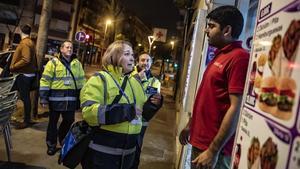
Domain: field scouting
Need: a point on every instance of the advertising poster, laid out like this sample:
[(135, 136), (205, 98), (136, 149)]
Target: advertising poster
[(210, 54), (268, 135)]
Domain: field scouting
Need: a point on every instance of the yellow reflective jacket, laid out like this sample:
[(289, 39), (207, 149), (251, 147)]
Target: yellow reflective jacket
[(97, 97), (57, 86), (147, 81)]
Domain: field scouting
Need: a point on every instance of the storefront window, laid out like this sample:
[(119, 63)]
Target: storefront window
[(250, 23)]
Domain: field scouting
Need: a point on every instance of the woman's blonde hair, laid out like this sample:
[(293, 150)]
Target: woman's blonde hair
[(114, 53)]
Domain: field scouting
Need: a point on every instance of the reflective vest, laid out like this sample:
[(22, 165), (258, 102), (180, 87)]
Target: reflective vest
[(146, 83), (57, 85), (116, 134)]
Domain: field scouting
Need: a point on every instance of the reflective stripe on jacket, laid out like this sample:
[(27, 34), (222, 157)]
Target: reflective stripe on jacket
[(57, 85)]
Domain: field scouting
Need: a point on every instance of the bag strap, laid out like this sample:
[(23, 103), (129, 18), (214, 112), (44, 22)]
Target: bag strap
[(123, 86), (105, 85), (67, 67)]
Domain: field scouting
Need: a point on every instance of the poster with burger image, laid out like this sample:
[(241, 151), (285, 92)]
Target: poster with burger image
[(278, 86), (269, 123)]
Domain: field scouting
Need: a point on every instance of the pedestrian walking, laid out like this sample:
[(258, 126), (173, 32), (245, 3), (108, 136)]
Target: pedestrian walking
[(60, 85), (217, 104), (24, 63), (113, 101), (151, 86)]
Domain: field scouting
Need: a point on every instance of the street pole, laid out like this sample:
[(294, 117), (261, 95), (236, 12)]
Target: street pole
[(108, 22), (151, 39)]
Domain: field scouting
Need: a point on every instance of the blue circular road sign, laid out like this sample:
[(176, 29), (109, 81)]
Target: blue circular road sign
[(80, 36)]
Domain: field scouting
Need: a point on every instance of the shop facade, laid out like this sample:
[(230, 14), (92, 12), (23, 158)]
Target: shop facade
[(197, 53)]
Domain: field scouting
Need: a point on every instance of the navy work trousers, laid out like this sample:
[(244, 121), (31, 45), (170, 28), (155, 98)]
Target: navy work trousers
[(139, 148), (96, 160), (52, 131)]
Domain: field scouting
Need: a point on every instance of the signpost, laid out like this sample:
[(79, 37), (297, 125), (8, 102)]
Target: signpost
[(80, 37)]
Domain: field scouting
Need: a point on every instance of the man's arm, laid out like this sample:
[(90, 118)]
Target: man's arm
[(227, 129), (228, 125), (185, 133)]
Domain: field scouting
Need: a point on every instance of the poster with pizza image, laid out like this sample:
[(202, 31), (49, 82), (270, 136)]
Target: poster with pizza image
[(269, 125)]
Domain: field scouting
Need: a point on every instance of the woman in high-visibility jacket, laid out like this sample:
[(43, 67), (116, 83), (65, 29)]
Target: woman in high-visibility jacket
[(60, 88), (113, 101)]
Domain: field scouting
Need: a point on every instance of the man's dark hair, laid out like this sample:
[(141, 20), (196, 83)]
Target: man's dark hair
[(26, 29), (142, 53), (228, 15), (63, 44)]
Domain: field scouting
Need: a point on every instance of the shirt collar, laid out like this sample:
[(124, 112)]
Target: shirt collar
[(116, 72), (229, 47)]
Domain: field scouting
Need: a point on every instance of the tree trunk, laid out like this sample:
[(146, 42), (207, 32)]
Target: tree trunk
[(41, 44), (42, 37)]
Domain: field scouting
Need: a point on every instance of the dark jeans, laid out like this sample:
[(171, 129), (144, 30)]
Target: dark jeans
[(139, 148), (98, 160), (52, 132), (222, 163), (23, 84)]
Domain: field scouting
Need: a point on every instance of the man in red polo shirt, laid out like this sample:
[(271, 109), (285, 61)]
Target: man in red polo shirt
[(216, 109)]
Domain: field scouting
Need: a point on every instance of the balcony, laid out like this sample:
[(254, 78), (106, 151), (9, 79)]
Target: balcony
[(57, 14)]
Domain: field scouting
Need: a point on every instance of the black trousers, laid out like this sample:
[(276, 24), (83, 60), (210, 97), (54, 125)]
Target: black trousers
[(98, 160), (23, 84), (139, 148), (52, 131)]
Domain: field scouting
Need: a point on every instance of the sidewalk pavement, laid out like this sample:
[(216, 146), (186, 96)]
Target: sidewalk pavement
[(158, 152)]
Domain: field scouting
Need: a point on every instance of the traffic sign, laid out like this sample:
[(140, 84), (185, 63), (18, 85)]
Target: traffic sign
[(80, 36)]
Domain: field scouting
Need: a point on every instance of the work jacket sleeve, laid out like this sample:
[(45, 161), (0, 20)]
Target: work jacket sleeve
[(46, 81), (81, 77), (92, 100), (150, 109), (25, 54)]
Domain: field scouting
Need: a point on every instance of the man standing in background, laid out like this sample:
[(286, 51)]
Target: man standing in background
[(60, 85), (24, 63), (151, 86)]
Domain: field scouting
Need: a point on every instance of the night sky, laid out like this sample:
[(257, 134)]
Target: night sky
[(155, 13)]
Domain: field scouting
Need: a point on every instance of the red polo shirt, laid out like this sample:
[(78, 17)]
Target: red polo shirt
[(224, 75)]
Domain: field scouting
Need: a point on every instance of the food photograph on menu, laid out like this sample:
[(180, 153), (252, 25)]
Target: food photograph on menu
[(276, 92)]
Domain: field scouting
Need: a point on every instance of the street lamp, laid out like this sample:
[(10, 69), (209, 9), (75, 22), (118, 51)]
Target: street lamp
[(172, 44), (151, 39), (107, 23)]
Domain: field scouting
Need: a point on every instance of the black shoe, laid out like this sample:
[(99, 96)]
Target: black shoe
[(21, 125), (51, 151), (45, 114), (33, 122)]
